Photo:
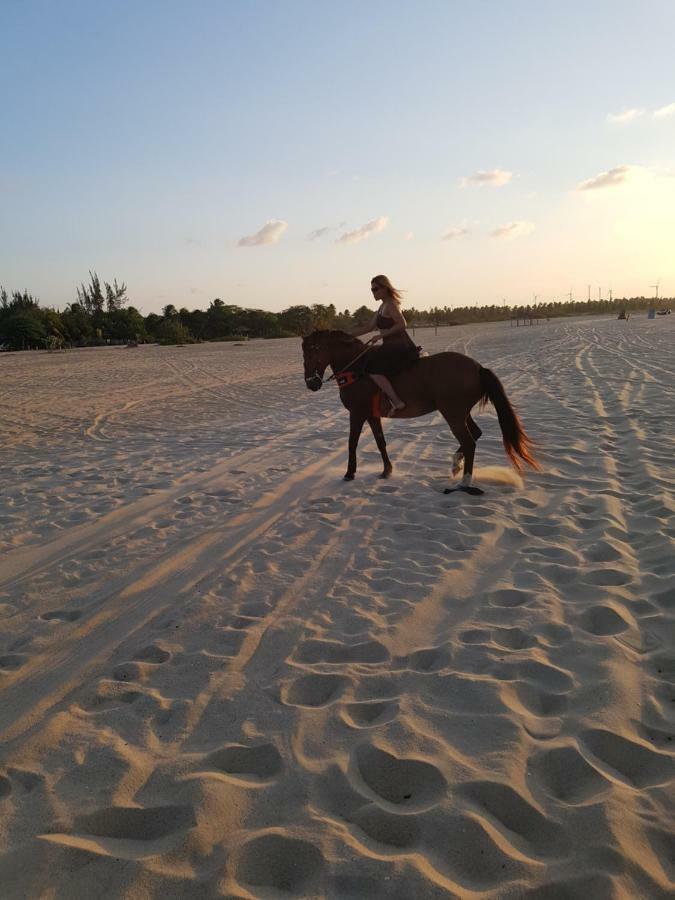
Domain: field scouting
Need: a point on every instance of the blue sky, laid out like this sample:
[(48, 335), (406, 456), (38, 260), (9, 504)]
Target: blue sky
[(472, 152)]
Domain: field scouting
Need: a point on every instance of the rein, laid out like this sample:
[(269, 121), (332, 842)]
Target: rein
[(335, 374), (346, 368)]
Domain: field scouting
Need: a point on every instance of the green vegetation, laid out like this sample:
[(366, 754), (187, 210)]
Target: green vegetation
[(101, 315)]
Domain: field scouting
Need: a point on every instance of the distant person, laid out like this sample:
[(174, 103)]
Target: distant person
[(397, 351)]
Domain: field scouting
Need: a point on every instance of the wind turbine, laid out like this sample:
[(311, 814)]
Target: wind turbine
[(656, 288)]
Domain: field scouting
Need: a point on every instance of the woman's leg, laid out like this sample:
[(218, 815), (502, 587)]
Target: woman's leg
[(383, 382)]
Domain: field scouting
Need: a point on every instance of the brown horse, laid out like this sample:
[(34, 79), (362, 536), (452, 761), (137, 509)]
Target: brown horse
[(448, 382)]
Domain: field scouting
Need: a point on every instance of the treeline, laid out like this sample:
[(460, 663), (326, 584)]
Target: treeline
[(102, 314), (465, 315)]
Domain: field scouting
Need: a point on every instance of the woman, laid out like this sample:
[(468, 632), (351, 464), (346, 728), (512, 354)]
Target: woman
[(397, 350)]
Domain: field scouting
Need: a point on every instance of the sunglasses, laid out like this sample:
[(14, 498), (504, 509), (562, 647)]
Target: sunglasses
[(376, 287)]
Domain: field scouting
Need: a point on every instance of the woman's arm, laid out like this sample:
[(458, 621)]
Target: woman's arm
[(364, 329)]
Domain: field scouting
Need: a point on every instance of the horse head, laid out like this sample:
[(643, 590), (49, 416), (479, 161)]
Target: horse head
[(319, 350)]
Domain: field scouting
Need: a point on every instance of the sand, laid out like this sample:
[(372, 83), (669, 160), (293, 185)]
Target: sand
[(224, 672)]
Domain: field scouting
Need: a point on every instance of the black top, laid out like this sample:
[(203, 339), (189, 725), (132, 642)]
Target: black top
[(396, 353)]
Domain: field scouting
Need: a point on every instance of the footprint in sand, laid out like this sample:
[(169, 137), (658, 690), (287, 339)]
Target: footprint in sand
[(128, 832), (428, 659), (133, 671), (12, 661), (369, 714), (335, 652), (408, 784), (603, 552), (623, 759), (471, 855), (565, 774), (509, 597), (401, 832), (513, 638), (606, 577), (27, 779), (602, 621), (540, 702), (549, 678), (314, 690), (256, 765), (534, 833), (473, 636), (283, 864), (152, 654), (62, 615)]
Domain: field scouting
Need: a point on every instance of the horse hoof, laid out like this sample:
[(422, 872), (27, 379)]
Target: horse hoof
[(348, 477), (470, 489), (474, 491), (386, 473)]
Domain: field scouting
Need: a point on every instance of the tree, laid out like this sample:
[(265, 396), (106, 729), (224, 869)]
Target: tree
[(23, 329)]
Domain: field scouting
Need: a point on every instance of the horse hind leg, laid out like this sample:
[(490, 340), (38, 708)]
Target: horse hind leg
[(473, 429), (458, 456), (467, 447), (456, 462)]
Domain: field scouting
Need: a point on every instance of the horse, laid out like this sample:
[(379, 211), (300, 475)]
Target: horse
[(451, 383)]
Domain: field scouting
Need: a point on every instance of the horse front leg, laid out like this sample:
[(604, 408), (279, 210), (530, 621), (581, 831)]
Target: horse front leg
[(355, 428), (378, 434)]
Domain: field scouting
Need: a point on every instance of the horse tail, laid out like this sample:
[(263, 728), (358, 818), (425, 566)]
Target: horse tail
[(516, 441)]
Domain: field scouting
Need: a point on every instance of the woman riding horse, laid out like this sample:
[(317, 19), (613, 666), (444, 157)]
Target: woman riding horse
[(397, 350), (448, 382)]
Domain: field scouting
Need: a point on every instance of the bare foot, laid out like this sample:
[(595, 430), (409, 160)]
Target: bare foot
[(394, 408)]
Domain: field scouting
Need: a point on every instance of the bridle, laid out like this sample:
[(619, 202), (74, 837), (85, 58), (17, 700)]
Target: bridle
[(316, 375)]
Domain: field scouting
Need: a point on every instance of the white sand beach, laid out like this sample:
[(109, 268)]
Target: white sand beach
[(226, 673)]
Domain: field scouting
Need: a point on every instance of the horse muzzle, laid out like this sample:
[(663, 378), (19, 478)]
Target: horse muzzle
[(314, 382)]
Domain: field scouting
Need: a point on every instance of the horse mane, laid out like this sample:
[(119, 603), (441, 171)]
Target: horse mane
[(334, 335)]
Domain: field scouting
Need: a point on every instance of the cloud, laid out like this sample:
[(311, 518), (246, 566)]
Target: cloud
[(408, 236), (615, 176), (325, 229), (626, 115), (364, 232), (495, 177), (664, 111), (453, 233), (513, 230), (270, 233), (319, 232)]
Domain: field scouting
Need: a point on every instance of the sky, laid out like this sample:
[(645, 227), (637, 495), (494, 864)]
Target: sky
[(284, 152)]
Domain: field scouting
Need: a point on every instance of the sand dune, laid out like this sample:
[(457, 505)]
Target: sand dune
[(226, 673)]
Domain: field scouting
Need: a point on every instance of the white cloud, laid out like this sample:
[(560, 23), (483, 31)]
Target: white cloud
[(495, 177), (270, 233), (408, 236), (453, 233), (626, 115), (665, 111), (364, 232), (513, 230), (617, 175)]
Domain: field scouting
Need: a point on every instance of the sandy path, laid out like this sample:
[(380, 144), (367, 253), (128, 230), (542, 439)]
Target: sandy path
[(226, 673)]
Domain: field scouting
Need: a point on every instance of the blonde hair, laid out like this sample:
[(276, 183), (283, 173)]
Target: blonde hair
[(394, 293)]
